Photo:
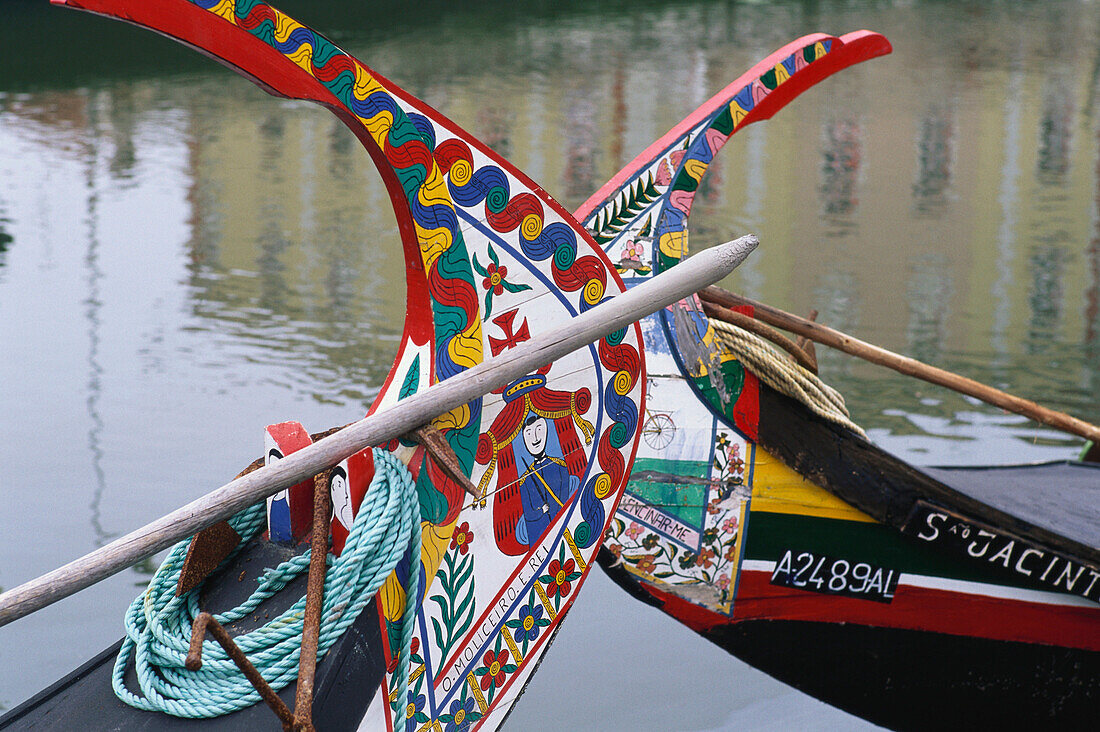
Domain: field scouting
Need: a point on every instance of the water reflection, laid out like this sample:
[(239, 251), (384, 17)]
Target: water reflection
[(1055, 132), (94, 305), (929, 294), (841, 157), (6, 239), (935, 157)]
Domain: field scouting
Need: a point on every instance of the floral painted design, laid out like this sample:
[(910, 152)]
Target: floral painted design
[(462, 713), (414, 714), (455, 598), (711, 563), (728, 461), (494, 280), (495, 668), (559, 577), (528, 623), (647, 564), (705, 558), (462, 537)]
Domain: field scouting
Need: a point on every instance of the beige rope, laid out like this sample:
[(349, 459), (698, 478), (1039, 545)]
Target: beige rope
[(785, 376)]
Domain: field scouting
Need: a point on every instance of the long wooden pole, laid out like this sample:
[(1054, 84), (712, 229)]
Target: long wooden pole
[(903, 364), (698, 271)]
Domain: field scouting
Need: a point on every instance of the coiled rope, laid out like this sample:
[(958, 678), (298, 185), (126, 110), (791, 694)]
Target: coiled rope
[(785, 376), (158, 624)]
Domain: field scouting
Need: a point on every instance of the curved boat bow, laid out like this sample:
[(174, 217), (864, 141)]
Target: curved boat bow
[(491, 260)]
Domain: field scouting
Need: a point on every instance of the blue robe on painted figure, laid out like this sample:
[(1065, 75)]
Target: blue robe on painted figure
[(545, 485)]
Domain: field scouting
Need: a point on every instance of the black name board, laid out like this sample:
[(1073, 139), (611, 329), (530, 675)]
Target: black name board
[(1002, 551)]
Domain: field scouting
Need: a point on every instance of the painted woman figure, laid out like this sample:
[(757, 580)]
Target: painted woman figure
[(534, 450), (545, 485)]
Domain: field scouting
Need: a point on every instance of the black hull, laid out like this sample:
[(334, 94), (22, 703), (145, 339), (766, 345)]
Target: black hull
[(914, 680), (910, 679), (345, 684)]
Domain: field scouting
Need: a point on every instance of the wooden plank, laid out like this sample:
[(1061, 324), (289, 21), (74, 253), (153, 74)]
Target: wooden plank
[(703, 269)]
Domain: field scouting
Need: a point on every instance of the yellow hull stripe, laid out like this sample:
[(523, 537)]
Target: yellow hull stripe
[(778, 489)]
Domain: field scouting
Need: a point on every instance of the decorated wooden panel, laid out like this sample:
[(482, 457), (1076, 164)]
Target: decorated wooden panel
[(491, 260), (678, 525)]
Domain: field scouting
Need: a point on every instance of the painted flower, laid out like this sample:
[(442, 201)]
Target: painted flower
[(712, 507), (559, 577), (414, 716), (647, 563), (731, 551), (687, 560), (634, 250), (495, 669), (635, 530), (729, 526), (462, 537), (649, 541), (734, 462), (414, 651), (495, 278), (710, 535), (705, 558), (529, 623), (616, 551), (723, 582), (461, 715)]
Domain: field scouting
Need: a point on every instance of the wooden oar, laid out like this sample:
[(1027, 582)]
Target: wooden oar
[(903, 364), (704, 268)]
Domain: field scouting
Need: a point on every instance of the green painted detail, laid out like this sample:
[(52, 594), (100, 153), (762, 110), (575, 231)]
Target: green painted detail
[(564, 256), (684, 182), (686, 501), (768, 79), (665, 262), (809, 53), (723, 122), (323, 52), (626, 208), (733, 378), (433, 504), (412, 379), (771, 534)]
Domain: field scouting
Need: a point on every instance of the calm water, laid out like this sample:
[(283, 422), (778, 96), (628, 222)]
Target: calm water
[(184, 259)]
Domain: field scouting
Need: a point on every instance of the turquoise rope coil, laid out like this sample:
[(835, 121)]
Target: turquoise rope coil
[(158, 624)]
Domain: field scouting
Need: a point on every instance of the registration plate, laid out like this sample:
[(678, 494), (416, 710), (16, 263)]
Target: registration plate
[(814, 572)]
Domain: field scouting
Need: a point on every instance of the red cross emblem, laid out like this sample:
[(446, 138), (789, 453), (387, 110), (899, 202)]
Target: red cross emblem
[(511, 338)]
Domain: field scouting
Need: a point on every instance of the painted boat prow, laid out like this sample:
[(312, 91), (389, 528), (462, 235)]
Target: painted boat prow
[(851, 48), (491, 259), (957, 608)]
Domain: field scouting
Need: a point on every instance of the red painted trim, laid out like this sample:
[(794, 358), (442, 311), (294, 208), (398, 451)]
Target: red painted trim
[(696, 617), (922, 608)]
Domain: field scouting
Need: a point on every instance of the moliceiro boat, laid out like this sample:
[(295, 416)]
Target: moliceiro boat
[(761, 517), (459, 519)]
